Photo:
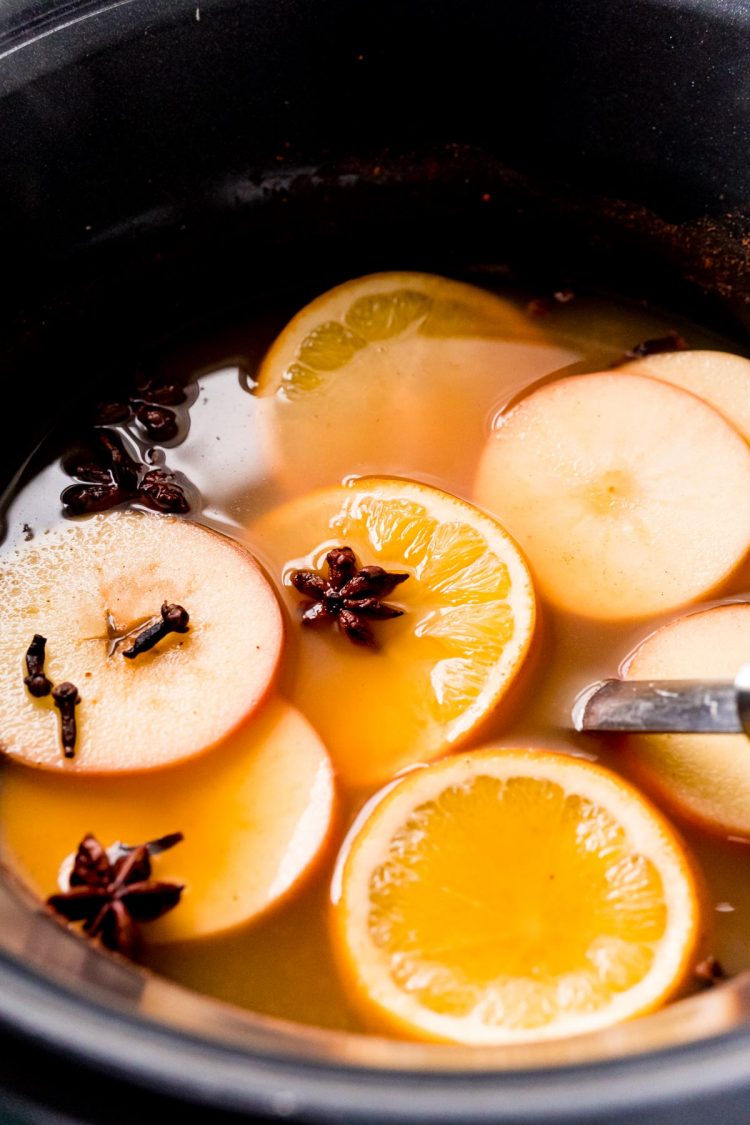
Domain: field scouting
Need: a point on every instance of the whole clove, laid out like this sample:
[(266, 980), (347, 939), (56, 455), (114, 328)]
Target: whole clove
[(124, 469), (174, 619), (159, 422), (160, 492), (84, 499), (36, 681), (66, 699)]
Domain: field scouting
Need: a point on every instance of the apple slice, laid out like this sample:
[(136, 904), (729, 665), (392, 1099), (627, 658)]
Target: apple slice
[(719, 378), (629, 496), (702, 777), (85, 587), (255, 816)]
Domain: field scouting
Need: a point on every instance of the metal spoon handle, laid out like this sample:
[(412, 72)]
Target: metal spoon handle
[(667, 706)]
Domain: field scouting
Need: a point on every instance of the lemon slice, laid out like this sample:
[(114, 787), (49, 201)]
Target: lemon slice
[(468, 620), (394, 372), (508, 896)]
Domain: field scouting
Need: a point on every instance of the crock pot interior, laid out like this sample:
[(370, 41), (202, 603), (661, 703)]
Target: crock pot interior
[(165, 163)]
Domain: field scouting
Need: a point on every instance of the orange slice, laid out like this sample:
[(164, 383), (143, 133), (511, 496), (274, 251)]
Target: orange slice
[(702, 777), (395, 372), (468, 621), (506, 896), (255, 816)]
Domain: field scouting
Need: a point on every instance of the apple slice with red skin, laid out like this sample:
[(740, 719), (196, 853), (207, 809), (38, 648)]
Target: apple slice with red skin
[(89, 588)]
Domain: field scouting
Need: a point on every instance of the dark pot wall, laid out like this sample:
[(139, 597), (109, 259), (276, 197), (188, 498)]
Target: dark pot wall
[(142, 144), (162, 159)]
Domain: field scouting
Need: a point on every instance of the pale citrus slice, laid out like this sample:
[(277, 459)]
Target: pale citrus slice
[(719, 378), (466, 627), (255, 816), (506, 896), (395, 372), (702, 777), (629, 496)]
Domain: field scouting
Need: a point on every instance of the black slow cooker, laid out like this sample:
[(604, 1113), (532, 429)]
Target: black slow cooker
[(165, 161)]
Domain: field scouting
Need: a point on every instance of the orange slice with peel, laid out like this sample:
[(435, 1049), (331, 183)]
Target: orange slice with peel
[(507, 896), (468, 619), (255, 816), (395, 372)]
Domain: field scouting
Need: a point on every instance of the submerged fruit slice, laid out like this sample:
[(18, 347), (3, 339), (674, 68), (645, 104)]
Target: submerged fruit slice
[(467, 624), (255, 815), (506, 896), (702, 777), (629, 496), (88, 583), (719, 378), (395, 372)]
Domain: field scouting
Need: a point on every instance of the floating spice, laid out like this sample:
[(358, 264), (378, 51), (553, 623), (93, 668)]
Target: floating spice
[(162, 394), (125, 471), (672, 342), (709, 972), (159, 490), (147, 395), (36, 681), (348, 596), (174, 619), (159, 422), (112, 897), (66, 699), (101, 490), (112, 413), (109, 476), (85, 499)]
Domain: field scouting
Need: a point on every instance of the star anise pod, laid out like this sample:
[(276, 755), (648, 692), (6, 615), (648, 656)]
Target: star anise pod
[(111, 898), (348, 596)]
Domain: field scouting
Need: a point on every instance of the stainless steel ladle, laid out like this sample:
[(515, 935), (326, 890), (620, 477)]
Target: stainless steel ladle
[(687, 706)]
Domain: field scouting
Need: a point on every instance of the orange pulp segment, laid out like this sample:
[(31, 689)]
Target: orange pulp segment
[(506, 896), (469, 615)]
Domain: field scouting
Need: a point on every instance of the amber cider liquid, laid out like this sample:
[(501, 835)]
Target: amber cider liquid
[(282, 965)]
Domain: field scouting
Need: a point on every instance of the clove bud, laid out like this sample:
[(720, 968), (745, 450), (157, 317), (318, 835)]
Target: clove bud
[(174, 619), (36, 681), (66, 698)]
